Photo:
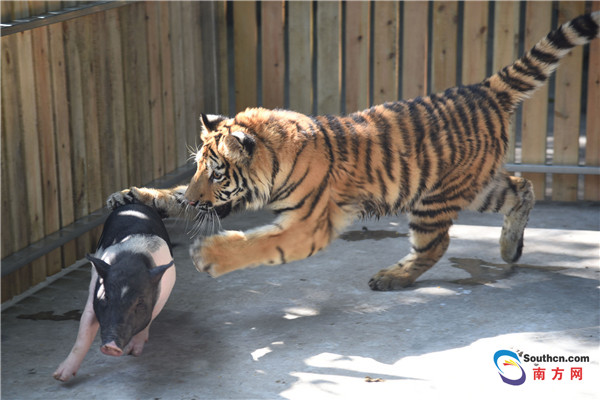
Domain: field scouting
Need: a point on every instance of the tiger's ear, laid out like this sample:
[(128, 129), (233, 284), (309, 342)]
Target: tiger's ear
[(238, 146), (208, 123)]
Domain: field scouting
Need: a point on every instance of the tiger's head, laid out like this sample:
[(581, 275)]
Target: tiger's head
[(223, 178)]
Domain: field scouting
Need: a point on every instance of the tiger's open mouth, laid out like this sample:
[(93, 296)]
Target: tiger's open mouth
[(222, 210)]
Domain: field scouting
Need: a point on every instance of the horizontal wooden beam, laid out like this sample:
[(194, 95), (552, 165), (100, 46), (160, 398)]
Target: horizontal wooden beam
[(53, 17), (42, 247)]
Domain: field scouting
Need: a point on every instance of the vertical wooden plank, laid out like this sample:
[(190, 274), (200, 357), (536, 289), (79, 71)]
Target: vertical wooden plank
[(191, 110), (93, 168), (20, 9), (245, 41), (37, 8), (385, 52), (13, 145), (53, 5), (357, 55), (273, 57), (202, 67), (533, 128), (78, 126), (5, 13), (6, 220), (115, 71), (506, 46), (208, 56), (178, 81), (444, 45), (475, 32), (63, 135), (154, 75), (567, 109), (135, 61), (328, 57), (108, 156), (75, 95), (170, 138), (33, 177), (222, 57), (15, 159), (300, 45), (46, 137), (414, 47), (592, 135)]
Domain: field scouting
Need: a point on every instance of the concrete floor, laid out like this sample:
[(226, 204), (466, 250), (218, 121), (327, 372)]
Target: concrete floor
[(314, 329)]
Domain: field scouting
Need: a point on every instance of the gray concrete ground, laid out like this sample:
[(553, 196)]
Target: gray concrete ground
[(314, 329)]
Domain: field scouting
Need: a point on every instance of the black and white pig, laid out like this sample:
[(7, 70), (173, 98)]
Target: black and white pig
[(131, 281)]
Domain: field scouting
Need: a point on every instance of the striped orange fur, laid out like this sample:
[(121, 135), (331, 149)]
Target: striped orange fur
[(429, 157)]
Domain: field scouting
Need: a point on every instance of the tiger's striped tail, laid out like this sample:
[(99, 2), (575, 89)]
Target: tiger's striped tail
[(518, 81)]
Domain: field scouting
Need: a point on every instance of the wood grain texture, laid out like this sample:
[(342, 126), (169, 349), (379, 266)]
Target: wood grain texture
[(533, 127), (356, 62), (414, 48), (328, 57), (567, 107), (385, 52), (592, 148), (300, 33)]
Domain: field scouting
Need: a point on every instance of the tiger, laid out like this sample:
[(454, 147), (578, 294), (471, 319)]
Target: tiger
[(429, 157)]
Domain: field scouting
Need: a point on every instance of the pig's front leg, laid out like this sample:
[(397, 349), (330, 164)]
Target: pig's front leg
[(88, 327)]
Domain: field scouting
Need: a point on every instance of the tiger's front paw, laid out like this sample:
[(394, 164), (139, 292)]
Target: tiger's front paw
[(392, 278), (117, 199), (220, 254), (198, 260)]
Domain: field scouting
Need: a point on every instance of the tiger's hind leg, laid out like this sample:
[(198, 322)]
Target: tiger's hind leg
[(429, 237), (513, 197)]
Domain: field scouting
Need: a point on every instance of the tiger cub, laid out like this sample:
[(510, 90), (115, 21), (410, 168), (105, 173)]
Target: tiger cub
[(429, 157)]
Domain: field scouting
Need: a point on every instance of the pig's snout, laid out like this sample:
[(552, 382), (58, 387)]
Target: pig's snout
[(111, 349)]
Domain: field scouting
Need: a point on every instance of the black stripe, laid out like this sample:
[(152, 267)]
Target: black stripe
[(514, 83), (533, 70), (285, 192), (383, 134), (294, 207), (433, 243), (543, 56), (433, 132), (339, 136), (354, 137), (312, 250), (501, 199), (435, 212), (558, 39), (382, 185), (368, 166), (430, 227), (420, 150), (292, 170), (281, 254), (585, 26), (527, 70)]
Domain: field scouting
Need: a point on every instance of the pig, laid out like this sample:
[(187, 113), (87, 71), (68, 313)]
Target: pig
[(132, 277)]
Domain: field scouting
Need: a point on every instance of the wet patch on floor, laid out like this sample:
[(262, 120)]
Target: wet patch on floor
[(365, 233), (483, 272), (74, 315)]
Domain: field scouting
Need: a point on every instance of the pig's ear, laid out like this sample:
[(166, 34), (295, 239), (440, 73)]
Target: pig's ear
[(157, 272), (101, 266)]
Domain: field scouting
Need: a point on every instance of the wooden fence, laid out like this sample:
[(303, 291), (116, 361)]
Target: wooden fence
[(100, 96)]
